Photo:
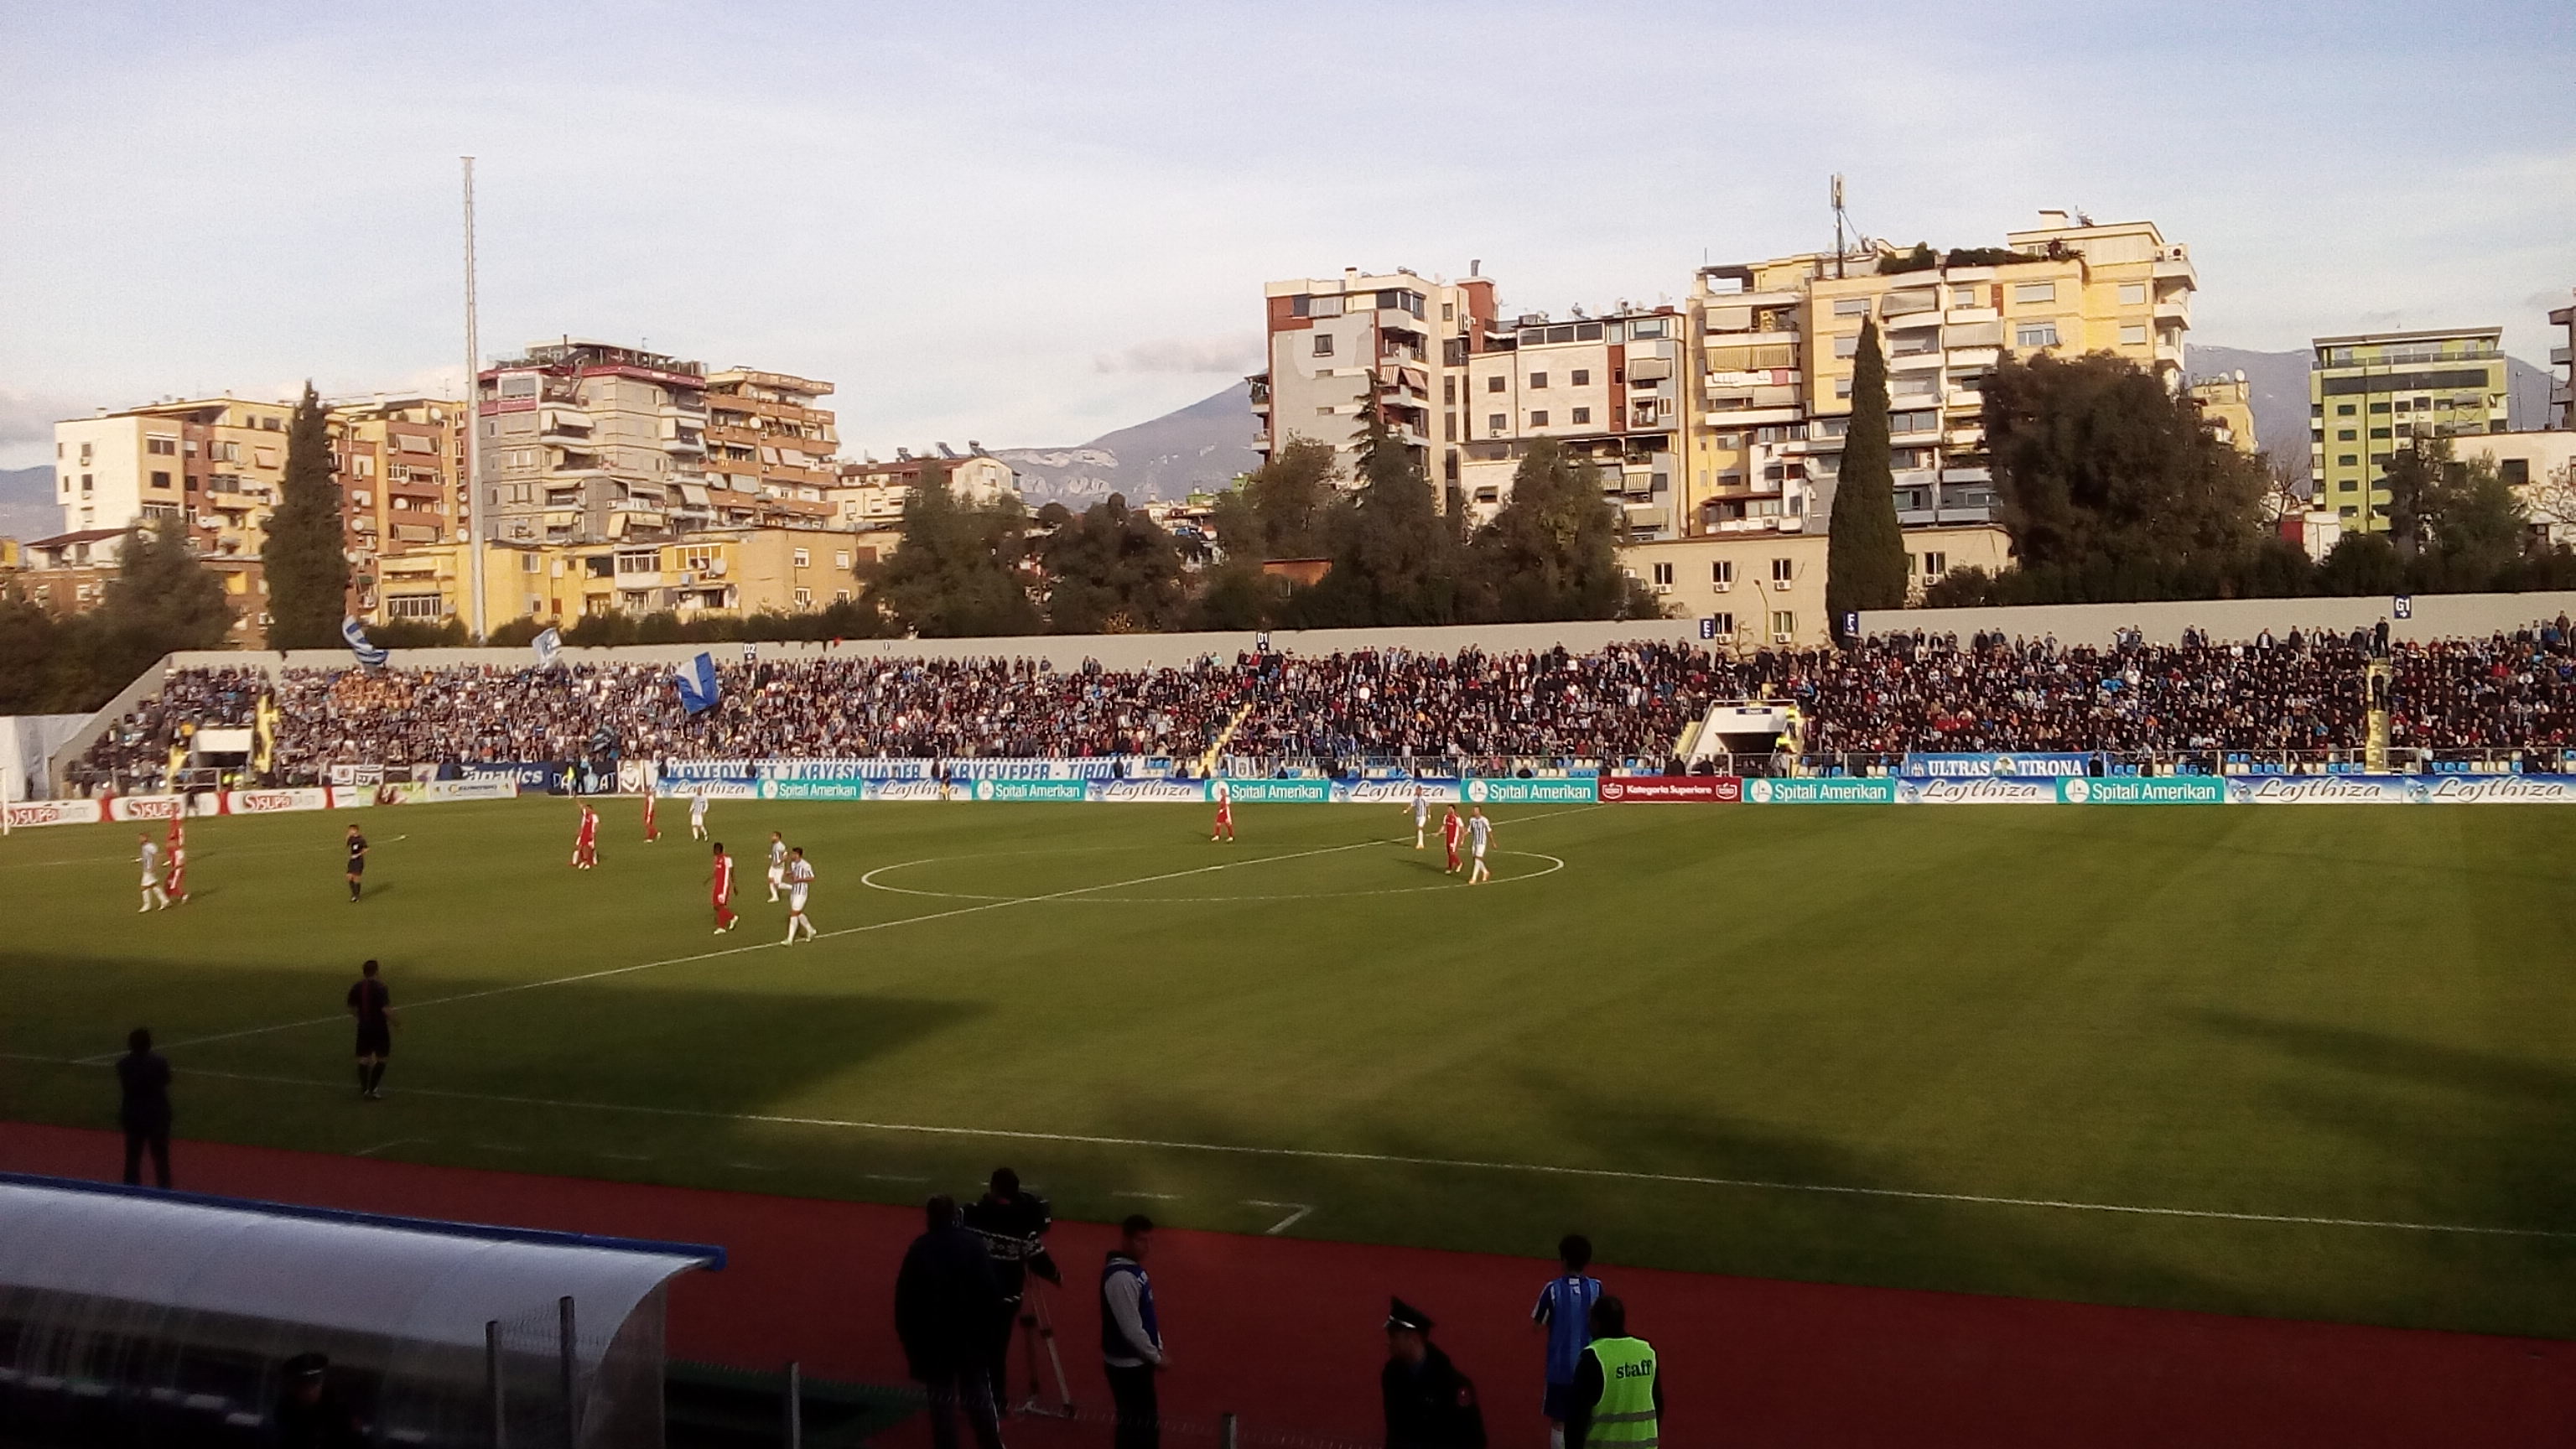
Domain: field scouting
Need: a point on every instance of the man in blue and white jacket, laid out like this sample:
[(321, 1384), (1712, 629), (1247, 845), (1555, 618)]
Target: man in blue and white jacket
[(1131, 1342)]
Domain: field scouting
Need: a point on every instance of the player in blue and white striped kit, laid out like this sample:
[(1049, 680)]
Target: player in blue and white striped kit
[(1564, 1314)]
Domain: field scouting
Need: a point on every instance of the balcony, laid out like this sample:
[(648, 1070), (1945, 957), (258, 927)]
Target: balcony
[(2558, 357), (2177, 267), (1964, 316), (1748, 416), (1915, 361), (2174, 309)]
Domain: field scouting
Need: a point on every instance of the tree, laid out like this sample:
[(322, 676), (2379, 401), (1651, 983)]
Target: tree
[(2360, 564), (31, 641), (1110, 570), (1292, 501), (2111, 488), (1865, 559), (956, 572), (1553, 551), (308, 571), (1394, 561)]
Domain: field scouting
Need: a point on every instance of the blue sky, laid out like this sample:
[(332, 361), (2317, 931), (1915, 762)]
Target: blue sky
[(1027, 225)]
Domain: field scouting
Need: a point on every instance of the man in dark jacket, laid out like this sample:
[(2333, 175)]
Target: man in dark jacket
[(143, 1078), (946, 1302), (1429, 1404), (1013, 1223)]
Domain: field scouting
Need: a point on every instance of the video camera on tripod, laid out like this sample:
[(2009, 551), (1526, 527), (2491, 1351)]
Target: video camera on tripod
[(1013, 1225)]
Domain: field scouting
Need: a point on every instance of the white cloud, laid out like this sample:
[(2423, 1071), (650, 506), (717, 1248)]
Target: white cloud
[(1235, 354)]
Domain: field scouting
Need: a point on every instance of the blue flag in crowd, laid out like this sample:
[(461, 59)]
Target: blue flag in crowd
[(368, 654), (548, 645), (696, 681)]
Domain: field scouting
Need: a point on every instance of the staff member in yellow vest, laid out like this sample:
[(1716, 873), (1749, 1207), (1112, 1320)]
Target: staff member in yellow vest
[(1618, 1396)]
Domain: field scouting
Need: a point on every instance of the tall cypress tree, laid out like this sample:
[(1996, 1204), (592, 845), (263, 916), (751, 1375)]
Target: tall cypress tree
[(308, 572), (1865, 562)]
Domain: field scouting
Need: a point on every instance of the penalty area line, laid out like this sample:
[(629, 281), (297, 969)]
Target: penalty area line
[(104, 1058), (1394, 1159)]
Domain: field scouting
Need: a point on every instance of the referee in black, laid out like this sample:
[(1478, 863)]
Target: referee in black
[(1013, 1224), (373, 1005), (357, 860)]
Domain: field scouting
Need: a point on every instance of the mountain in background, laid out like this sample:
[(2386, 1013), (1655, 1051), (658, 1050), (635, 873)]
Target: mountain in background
[(1204, 445), (2279, 381), (27, 507)]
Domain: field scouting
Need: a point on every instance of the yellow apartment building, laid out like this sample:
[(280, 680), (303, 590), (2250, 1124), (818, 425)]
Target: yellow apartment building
[(729, 571), (1767, 589)]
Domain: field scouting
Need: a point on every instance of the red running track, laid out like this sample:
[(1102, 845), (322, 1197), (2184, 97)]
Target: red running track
[(1285, 1332)]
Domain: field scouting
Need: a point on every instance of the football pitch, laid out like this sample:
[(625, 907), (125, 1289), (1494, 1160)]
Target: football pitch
[(2305, 1062)]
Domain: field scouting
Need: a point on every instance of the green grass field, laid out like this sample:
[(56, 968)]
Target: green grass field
[(1697, 1033)]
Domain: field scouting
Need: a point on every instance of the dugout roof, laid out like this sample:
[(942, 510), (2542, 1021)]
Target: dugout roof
[(119, 1305)]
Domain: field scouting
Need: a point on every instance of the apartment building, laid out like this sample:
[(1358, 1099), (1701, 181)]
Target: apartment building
[(1766, 589), (2226, 406), (769, 452), (1394, 343), (586, 441), (871, 495), (1608, 389), (400, 462), (2371, 392), (2562, 369), (1777, 339), (725, 571), (69, 574), (217, 463)]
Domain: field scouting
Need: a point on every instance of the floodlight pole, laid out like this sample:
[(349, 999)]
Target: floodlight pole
[(472, 460)]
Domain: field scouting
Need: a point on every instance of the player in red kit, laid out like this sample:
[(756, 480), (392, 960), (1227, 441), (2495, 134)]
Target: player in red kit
[(726, 920), (651, 833), (1224, 814), (585, 845), (1452, 829), (177, 881)]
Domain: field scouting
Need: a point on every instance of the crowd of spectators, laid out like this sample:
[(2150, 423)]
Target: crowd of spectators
[(2305, 693)]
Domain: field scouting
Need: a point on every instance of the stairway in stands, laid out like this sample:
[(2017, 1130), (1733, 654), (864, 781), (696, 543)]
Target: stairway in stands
[(2375, 685), (1216, 748)]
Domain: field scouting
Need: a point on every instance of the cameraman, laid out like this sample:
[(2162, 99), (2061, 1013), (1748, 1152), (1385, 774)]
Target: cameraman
[(1014, 1226)]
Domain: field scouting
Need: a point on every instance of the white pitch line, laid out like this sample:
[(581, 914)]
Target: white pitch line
[(106, 1057), (1394, 1159), (1284, 1224)]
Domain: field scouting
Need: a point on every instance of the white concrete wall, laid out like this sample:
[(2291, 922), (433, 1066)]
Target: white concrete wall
[(2436, 616)]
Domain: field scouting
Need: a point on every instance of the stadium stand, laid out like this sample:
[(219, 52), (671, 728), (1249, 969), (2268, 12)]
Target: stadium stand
[(2261, 704)]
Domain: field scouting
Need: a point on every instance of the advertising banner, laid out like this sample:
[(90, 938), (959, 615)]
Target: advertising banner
[(2502, 790), (1159, 792), (1820, 792), (526, 774), (695, 770), (1376, 792), (444, 790), (345, 797), (1530, 792), (273, 802), (146, 807), (2142, 790), (26, 813), (837, 771), (1988, 790), (1001, 769), (1977, 767), (2325, 790), (1075, 791), (1662, 789), (358, 774), (924, 789), (849, 788)]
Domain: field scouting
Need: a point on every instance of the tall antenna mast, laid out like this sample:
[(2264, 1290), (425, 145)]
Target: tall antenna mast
[(1837, 226), (472, 461)]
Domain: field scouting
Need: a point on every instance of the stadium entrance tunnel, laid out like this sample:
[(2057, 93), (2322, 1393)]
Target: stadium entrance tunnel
[(134, 1317)]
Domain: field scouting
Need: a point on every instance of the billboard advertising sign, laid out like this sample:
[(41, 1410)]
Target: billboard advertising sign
[(1659, 789), (1981, 766), (2143, 790), (1529, 792), (1981, 791), (1820, 792)]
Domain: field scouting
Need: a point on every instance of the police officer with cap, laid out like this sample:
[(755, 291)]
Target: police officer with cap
[(1429, 1404)]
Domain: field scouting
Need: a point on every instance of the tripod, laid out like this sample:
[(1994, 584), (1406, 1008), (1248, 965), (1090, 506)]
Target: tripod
[(1037, 1328)]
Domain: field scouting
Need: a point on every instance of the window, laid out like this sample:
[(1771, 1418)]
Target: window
[(2034, 292), (802, 559), (2133, 294), (1847, 346), (1583, 377), (1851, 306), (2133, 336), (2343, 410), (639, 561), (1538, 419), (1448, 390), (1842, 387), (1721, 573), (2378, 408), (2379, 432), (1664, 575), (1582, 416), (1783, 570), (411, 606), (1966, 297), (2345, 435), (1783, 624), (164, 447), (1650, 327), (840, 558), (1323, 344), (1724, 625), (804, 598), (85, 477), (1498, 423), (1494, 383), (1324, 307), (2379, 460), (160, 480), (1935, 565), (85, 454), (2035, 334), (2347, 460), (2516, 471)]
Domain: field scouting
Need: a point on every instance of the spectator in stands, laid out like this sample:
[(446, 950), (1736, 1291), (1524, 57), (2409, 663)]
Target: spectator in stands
[(946, 1301), (1429, 1403), (143, 1080), (1131, 1337), (1618, 1395)]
